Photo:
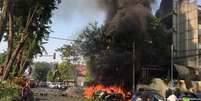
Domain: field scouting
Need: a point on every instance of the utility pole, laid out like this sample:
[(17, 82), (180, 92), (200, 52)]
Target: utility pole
[(172, 64), (134, 63), (134, 67)]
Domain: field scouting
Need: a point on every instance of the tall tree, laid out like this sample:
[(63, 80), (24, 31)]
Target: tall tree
[(28, 23)]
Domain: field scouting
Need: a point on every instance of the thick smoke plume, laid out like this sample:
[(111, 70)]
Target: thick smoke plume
[(126, 15), (131, 18)]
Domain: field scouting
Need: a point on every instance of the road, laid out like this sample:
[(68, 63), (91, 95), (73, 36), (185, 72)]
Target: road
[(46, 94), (56, 98)]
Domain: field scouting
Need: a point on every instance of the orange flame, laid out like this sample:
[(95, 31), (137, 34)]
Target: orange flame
[(89, 91)]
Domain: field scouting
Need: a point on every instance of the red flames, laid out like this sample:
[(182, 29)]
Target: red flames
[(89, 91)]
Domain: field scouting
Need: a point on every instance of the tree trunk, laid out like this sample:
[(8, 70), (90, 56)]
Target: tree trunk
[(20, 44), (22, 64), (3, 17), (18, 62), (10, 27), (10, 33), (14, 55)]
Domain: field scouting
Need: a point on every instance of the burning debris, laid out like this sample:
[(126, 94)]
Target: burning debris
[(100, 91)]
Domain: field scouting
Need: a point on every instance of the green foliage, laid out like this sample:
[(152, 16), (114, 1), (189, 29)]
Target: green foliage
[(64, 71), (9, 92), (40, 27), (68, 52), (38, 30), (40, 71), (93, 44), (92, 40), (2, 57), (161, 42), (50, 75)]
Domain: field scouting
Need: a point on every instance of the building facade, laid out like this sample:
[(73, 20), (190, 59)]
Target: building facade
[(182, 19), (186, 32)]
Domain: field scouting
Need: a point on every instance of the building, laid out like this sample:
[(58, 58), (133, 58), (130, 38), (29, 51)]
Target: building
[(182, 19)]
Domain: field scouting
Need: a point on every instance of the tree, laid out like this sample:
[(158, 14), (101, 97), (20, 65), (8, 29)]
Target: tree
[(28, 25), (93, 45), (40, 71), (67, 70), (69, 53), (64, 71), (161, 43)]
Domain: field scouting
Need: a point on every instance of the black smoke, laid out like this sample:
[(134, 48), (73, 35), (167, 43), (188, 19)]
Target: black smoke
[(124, 15), (126, 22)]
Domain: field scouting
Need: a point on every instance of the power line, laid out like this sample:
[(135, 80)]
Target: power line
[(59, 38)]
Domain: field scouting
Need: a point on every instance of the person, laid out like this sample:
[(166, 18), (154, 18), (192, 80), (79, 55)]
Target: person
[(25, 91), (172, 97)]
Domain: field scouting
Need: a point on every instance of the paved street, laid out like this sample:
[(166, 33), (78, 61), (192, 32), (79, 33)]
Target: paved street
[(56, 98), (46, 94), (48, 91)]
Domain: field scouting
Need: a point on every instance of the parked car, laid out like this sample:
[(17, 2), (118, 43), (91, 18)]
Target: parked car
[(64, 86), (43, 84), (147, 94), (52, 85)]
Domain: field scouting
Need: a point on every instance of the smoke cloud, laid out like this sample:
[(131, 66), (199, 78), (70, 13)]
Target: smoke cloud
[(126, 15), (128, 18), (85, 9)]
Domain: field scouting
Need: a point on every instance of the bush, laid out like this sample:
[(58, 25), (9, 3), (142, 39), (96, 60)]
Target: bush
[(9, 91)]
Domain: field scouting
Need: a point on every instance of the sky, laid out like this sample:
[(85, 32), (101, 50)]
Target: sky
[(69, 20)]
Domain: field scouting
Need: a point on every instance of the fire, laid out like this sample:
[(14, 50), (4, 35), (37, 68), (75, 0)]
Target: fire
[(90, 90)]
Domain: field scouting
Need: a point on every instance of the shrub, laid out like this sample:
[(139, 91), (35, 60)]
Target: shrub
[(9, 91)]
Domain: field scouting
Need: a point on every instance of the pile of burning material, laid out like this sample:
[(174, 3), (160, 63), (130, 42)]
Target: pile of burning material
[(108, 93)]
